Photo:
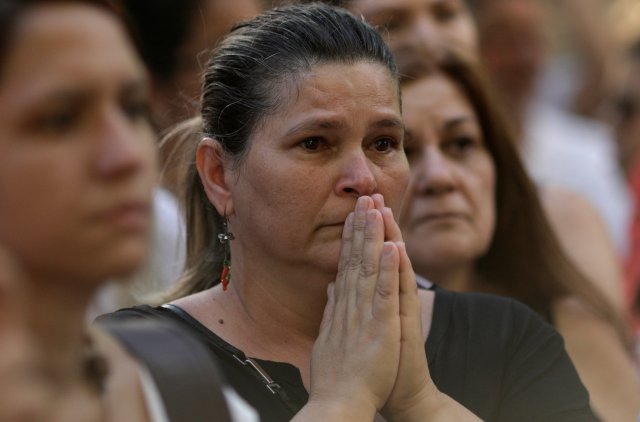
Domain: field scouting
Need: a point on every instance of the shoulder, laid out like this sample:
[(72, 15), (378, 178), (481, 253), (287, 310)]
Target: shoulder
[(134, 312), (580, 325), (123, 390), (585, 238), (604, 365), (487, 323), (514, 355), (568, 206), (481, 307), (508, 357)]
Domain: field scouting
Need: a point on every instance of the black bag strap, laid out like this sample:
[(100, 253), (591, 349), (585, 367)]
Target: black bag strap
[(238, 356), (183, 368)]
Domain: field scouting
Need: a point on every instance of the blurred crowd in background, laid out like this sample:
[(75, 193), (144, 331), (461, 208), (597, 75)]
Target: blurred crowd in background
[(566, 74)]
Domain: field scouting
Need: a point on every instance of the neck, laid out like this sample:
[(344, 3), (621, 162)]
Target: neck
[(57, 323), (277, 299), (458, 279)]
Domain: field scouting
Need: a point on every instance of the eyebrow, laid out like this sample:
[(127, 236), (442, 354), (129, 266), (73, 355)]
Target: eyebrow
[(389, 123), (316, 124), (457, 122), (335, 124), (131, 87), (136, 86), (410, 135)]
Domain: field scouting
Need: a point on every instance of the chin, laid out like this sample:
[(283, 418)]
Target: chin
[(119, 261), (326, 261)]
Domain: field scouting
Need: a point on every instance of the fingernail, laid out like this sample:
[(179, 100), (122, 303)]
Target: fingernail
[(362, 203), (349, 221), (387, 249)]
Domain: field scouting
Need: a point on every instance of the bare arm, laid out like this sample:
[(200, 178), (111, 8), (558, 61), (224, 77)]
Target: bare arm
[(605, 368), (585, 240)]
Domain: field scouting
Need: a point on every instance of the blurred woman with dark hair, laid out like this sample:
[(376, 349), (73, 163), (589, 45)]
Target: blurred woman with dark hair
[(78, 166), (474, 223)]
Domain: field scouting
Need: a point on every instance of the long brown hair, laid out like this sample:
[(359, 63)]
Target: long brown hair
[(524, 260)]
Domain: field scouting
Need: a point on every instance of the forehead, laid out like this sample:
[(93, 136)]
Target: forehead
[(436, 94), (362, 91), (67, 44), (339, 83)]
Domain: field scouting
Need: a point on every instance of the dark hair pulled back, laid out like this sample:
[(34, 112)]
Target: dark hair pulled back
[(252, 72)]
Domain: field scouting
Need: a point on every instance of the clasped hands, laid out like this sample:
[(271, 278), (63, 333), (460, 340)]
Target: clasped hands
[(369, 355)]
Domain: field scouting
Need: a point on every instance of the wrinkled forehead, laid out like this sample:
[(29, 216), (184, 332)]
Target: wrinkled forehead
[(333, 93)]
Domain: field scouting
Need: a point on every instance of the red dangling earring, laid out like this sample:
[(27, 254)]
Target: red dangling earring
[(225, 237)]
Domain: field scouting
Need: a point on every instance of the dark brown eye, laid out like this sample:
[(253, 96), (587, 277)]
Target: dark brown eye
[(136, 110), (461, 145), (384, 144), (445, 12), (311, 144), (59, 121)]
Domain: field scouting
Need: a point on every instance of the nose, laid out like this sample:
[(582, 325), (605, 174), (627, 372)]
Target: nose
[(356, 178), (120, 147), (434, 173)]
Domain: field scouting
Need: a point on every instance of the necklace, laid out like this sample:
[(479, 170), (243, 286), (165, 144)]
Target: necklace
[(94, 365), (95, 371)]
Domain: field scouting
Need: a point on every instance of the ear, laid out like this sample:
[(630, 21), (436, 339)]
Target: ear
[(211, 168)]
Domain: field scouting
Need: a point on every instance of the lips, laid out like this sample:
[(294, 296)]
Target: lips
[(129, 215), (438, 217)]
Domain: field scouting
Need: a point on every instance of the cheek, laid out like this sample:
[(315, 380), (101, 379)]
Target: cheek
[(31, 216), (270, 187), (464, 35), (41, 186)]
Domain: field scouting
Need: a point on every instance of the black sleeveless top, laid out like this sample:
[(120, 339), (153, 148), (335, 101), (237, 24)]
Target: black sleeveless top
[(491, 354)]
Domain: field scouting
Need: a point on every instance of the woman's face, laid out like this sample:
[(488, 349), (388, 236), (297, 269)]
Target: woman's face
[(420, 30), (77, 156), (338, 136), (450, 216)]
